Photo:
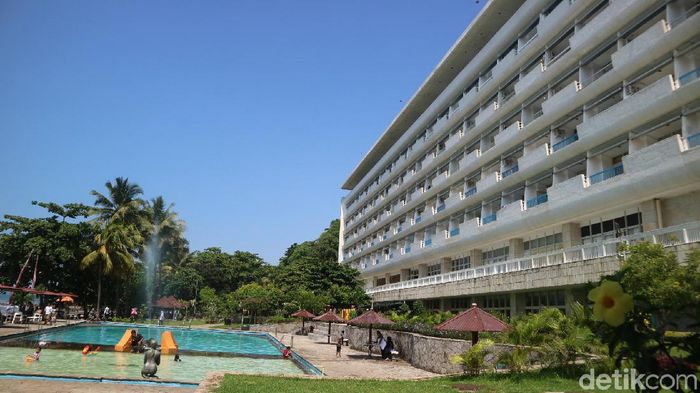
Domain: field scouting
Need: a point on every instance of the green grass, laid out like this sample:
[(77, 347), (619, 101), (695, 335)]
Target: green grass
[(488, 383)]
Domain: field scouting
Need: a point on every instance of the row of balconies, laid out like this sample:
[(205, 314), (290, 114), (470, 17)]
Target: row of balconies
[(556, 102), (545, 25), (447, 208)]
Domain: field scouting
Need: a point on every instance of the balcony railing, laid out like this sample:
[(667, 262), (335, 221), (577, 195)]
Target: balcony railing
[(407, 249), (565, 142), (427, 242), (689, 76), (509, 171), (470, 192), (440, 207), (671, 236), (540, 199), (693, 140), (606, 174), (454, 232), (417, 220), (488, 219)]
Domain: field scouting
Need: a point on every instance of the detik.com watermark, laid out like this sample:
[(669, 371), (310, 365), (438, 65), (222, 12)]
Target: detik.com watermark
[(629, 379)]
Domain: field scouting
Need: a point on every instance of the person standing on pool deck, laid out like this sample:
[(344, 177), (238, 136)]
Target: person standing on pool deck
[(338, 346), (161, 318)]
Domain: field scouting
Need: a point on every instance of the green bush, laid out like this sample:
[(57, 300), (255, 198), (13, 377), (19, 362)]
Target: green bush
[(474, 360)]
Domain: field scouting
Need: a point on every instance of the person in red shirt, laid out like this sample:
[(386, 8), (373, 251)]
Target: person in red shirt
[(287, 352)]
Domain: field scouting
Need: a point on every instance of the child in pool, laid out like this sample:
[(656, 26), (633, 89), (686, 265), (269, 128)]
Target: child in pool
[(35, 356), (87, 350)]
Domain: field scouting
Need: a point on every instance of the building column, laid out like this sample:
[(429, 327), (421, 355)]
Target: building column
[(569, 300), (513, 305), (404, 274), (650, 214), (515, 248), (570, 234), (445, 265), (443, 304), (422, 270), (387, 278), (475, 256)]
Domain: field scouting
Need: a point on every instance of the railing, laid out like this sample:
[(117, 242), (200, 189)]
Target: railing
[(681, 18), (507, 97), (537, 114), (689, 76), (509, 171), (529, 39), (470, 192), (693, 140), (557, 56), (606, 174), (417, 220), (671, 236), (440, 207), (601, 72), (565, 142), (540, 199), (407, 249), (427, 242), (488, 219), (454, 231)]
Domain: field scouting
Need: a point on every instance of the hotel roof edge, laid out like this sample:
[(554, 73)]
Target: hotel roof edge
[(449, 66)]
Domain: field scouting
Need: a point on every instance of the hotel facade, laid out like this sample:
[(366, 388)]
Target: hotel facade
[(551, 132)]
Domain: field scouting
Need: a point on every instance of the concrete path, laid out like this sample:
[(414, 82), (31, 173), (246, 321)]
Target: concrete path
[(352, 363)]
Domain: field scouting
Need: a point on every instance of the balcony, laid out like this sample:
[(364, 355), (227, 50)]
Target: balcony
[(486, 115), (647, 98), (440, 207), (529, 78), (564, 142), (603, 24), (534, 156), (561, 99), (439, 179), (606, 174), (672, 236), (488, 180), (427, 242), (489, 219), (689, 77), (469, 158), (654, 156), (417, 220), (540, 199), (553, 20), (508, 133), (693, 140), (564, 190), (469, 227), (639, 46), (509, 171), (407, 249), (454, 232), (472, 191), (511, 209)]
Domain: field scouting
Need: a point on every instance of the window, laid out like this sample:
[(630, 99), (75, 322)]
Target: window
[(412, 274), (497, 303), (381, 281), (543, 244), (536, 301), (460, 303), (461, 263), (434, 270), (618, 227), (494, 256)]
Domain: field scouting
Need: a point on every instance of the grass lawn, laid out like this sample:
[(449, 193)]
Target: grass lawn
[(489, 383)]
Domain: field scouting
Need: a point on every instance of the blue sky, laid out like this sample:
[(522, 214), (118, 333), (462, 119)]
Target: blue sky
[(247, 115)]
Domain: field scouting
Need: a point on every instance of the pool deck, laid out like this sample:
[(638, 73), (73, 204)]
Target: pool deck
[(352, 364)]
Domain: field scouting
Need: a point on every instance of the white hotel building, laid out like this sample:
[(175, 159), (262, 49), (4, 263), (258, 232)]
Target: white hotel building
[(550, 132)]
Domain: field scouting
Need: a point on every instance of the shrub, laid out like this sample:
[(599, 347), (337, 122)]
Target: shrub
[(474, 360)]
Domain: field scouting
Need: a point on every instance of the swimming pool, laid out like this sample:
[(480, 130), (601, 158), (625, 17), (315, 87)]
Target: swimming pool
[(204, 350), (201, 340)]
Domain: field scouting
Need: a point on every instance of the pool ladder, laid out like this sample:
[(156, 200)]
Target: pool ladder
[(291, 339)]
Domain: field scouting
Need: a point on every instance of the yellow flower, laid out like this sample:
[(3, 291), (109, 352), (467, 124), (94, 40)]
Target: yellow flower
[(611, 303)]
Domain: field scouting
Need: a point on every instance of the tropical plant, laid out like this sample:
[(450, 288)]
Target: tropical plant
[(122, 204), (112, 253), (474, 360)]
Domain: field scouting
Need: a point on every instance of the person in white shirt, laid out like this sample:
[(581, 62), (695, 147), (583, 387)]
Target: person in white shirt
[(48, 310)]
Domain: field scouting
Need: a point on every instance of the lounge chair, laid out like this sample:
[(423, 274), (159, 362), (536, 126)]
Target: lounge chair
[(36, 318), (17, 318)]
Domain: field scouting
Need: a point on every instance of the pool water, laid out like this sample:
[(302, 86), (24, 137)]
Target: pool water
[(118, 365), (187, 339)]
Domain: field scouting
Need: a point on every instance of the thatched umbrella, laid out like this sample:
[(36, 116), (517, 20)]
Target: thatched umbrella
[(370, 318), (303, 314), (473, 320), (330, 317)]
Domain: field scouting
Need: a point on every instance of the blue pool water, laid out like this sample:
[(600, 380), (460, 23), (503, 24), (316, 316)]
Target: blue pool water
[(187, 339)]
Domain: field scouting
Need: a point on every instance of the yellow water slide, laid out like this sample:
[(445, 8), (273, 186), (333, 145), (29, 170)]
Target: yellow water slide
[(124, 345), (168, 345)]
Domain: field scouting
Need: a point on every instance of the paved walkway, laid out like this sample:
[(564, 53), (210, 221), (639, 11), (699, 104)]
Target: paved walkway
[(352, 363), (10, 328)]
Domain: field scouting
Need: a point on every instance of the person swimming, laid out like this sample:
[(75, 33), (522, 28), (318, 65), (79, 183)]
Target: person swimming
[(87, 350), (35, 356)]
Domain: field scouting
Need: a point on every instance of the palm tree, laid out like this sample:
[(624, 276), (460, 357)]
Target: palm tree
[(112, 253), (122, 204), (166, 236)]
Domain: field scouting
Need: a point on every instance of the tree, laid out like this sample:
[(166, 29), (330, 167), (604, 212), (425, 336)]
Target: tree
[(111, 253), (165, 240), (226, 272), (184, 283), (258, 299), (122, 204)]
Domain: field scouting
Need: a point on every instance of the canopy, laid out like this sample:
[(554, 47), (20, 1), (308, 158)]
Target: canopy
[(473, 320), (331, 317), (303, 314), (34, 291), (370, 317), (66, 299), (169, 302)]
